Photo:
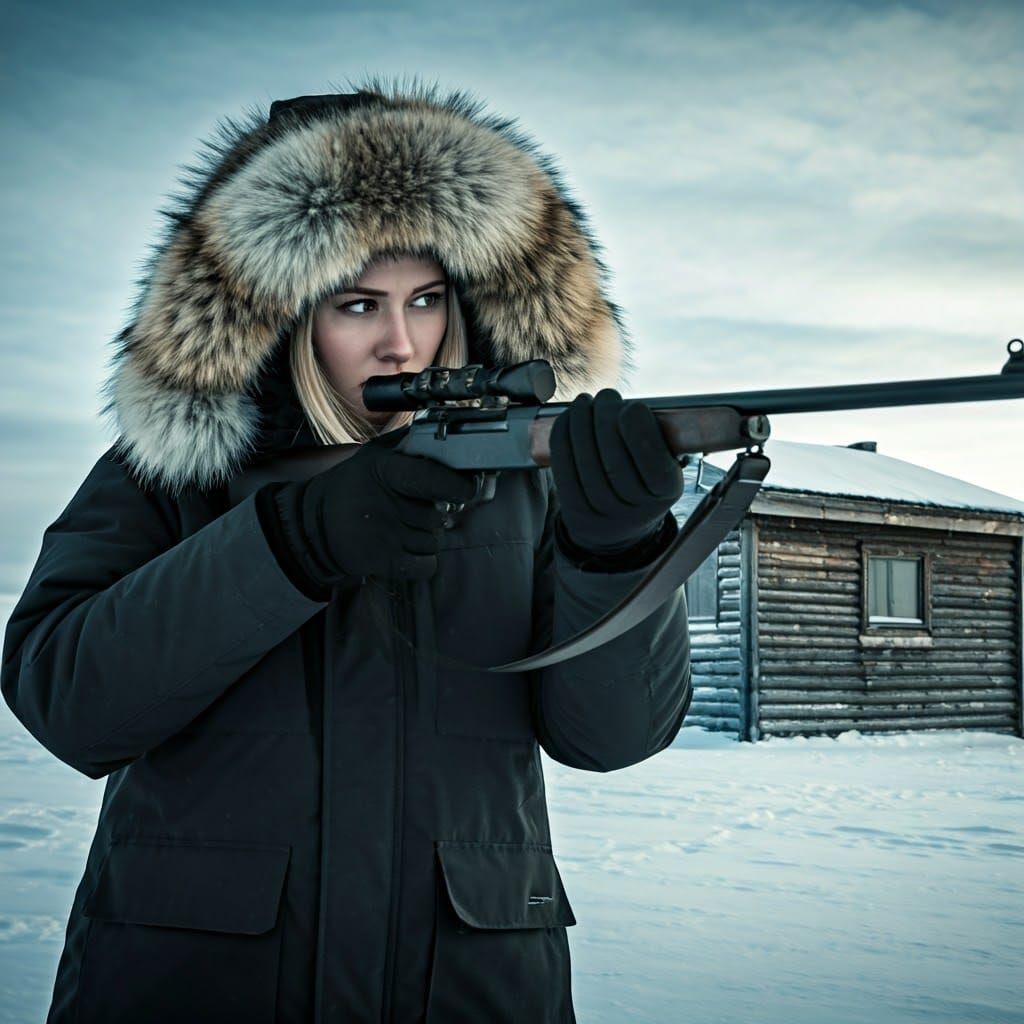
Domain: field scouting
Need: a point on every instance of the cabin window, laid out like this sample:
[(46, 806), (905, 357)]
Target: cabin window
[(702, 591), (895, 588)]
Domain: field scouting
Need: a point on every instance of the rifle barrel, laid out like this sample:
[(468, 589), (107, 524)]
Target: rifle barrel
[(936, 391)]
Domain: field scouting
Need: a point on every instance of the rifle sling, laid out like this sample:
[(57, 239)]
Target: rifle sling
[(714, 518)]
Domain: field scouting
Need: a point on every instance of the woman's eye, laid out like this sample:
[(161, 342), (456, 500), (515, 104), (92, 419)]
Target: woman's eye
[(435, 298), (349, 307)]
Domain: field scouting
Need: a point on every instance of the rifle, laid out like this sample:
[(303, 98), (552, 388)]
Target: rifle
[(487, 420)]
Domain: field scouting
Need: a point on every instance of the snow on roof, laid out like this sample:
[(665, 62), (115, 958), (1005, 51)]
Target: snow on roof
[(856, 473)]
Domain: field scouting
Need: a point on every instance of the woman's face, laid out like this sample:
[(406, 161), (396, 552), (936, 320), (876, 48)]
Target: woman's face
[(392, 320)]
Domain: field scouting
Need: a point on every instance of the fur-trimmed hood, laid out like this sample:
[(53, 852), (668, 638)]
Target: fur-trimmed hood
[(284, 209)]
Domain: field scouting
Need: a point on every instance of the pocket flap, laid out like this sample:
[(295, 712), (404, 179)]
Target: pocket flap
[(211, 886), (504, 885)]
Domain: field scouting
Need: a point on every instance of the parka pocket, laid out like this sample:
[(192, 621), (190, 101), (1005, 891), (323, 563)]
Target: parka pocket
[(183, 931), (501, 953)]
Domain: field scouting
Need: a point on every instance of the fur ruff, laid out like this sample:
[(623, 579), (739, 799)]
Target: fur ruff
[(278, 216)]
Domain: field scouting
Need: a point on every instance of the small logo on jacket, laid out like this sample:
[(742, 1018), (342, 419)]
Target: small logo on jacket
[(538, 901)]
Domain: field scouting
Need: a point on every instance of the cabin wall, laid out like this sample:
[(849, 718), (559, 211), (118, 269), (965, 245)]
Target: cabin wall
[(819, 671), (1020, 635), (716, 652)]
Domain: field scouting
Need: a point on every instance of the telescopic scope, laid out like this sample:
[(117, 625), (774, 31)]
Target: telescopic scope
[(529, 383)]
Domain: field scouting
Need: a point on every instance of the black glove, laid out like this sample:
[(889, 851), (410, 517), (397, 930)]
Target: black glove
[(615, 476), (372, 515)]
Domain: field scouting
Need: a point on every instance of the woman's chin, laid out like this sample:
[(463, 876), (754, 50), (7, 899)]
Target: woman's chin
[(377, 418)]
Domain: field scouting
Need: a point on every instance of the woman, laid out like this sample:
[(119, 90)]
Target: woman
[(306, 819)]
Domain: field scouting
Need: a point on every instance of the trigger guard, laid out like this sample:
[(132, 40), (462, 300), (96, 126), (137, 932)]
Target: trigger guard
[(486, 487)]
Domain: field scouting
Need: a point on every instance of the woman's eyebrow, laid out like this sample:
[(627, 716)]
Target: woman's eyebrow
[(374, 291)]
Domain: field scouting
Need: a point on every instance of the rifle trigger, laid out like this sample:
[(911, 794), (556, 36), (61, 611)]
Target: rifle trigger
[(486, 487)]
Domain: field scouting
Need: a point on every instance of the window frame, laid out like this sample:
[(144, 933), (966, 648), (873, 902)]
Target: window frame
[(706, 621), (922, 625)]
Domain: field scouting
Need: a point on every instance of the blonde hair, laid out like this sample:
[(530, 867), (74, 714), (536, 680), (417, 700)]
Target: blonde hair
[(334, 420)]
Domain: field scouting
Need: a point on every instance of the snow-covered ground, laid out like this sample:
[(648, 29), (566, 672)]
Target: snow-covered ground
[(862, 879), (809, 881)]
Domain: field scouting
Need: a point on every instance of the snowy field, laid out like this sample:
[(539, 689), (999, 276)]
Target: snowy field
[(863, 879)]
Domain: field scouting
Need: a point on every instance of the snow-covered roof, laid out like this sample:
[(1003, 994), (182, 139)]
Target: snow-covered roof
[(857, 473)]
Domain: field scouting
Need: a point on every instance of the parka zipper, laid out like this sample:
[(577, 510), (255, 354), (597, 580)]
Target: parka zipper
[(400, 613), (316, 648)]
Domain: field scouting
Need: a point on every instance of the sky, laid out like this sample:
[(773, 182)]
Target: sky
[(787, 194)]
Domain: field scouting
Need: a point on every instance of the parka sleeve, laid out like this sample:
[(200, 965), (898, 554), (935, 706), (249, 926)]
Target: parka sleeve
[(125, 632), (624, 701)]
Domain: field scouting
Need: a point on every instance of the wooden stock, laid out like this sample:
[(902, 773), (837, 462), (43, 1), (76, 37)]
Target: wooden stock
[(694, 431)]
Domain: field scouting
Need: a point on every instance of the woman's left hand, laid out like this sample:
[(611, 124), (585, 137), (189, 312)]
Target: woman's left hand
[(613, 470)]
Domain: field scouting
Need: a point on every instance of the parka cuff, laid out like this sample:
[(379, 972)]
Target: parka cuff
[(637, 557), (268, 509), (266, 593)]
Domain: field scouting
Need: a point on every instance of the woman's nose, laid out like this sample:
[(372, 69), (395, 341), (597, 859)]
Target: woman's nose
[(397, 341)]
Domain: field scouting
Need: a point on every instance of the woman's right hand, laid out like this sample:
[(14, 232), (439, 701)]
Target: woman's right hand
[(378, 513)]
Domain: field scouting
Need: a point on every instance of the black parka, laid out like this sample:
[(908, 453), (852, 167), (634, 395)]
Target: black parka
[(313, 810)]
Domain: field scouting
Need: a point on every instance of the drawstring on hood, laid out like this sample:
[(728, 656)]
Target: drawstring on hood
[(284, 209)]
